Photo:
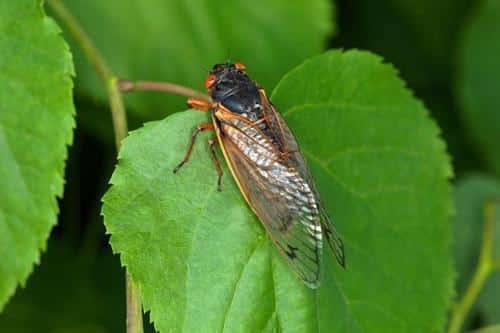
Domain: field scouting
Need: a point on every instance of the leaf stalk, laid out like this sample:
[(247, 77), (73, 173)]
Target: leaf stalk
[(168, 87), (485, 267)]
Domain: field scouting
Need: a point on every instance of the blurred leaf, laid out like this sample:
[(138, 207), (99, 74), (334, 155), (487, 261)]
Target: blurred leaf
[(471, 195), (490, 329), (480, 79), (36, 122), (177, 41), (203, 261), (70, 292), (396, 30), (489, 300), (437, 37)]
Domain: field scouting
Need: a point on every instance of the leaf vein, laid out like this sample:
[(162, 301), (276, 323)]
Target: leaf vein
[(226, 313)]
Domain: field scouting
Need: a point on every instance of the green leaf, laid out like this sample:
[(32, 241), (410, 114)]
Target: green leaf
[(203, 261), (480, 78), (170, 40), (36, 122), (472, 193)]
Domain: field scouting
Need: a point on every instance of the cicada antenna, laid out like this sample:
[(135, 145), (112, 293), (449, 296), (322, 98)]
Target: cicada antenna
[(228, 55)]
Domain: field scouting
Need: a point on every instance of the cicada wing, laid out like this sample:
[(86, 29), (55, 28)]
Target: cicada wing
[(284, 136), (333, 238), (281, 199)]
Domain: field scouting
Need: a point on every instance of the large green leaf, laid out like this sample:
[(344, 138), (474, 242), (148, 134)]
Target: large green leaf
[(203, 261), (472, 194), (480, 79), (36, 121), (170, 40)]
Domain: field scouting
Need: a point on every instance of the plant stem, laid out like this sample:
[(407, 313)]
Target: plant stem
[(118, 114), (134, 312), (126, 85), (78, 34), (484, 268)]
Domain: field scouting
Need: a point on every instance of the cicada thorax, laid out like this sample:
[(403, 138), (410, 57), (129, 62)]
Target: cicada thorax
[(245, 103)]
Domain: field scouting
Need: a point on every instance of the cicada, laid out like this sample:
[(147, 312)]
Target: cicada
[(268, 167)]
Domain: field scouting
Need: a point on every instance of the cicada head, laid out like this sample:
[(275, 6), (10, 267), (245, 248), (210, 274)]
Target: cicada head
[(229, 84), (225, 77)]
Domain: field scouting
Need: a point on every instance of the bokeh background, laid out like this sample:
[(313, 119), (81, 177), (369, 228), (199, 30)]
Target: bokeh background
[(447, 51)]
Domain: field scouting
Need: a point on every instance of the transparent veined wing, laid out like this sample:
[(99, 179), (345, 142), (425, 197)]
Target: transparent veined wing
[(285, 138), (283, 200)]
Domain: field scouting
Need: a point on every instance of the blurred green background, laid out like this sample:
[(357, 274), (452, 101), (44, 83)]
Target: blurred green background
[(447, 51)]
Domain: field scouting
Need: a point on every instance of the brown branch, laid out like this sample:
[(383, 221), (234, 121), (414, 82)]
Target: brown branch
[(127, 85)]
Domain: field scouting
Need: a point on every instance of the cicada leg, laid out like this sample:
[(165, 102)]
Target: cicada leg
[(202, 105), (196, 101), (199, 104), (211, 144), (200, 128)]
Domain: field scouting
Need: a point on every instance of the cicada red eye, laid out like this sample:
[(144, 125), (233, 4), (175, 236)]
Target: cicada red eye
[(239, 65), (209, 81)]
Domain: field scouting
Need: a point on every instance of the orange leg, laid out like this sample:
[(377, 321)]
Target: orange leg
[(199, 104), (211, 144), (198, 129)]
